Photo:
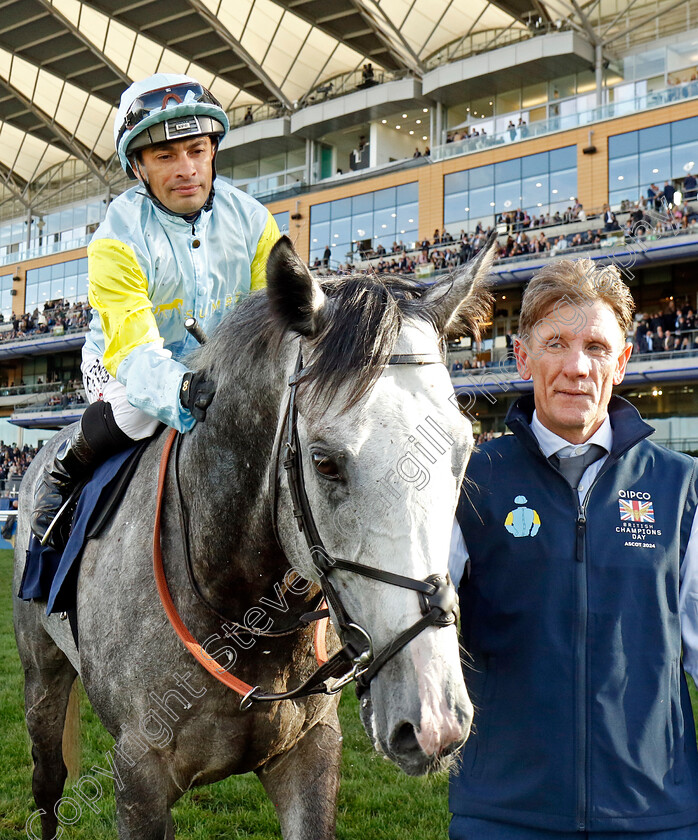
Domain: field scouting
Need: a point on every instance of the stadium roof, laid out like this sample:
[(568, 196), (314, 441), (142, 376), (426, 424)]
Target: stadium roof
[(64, 63)]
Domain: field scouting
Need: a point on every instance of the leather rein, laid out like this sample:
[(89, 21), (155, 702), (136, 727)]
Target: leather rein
[(356, 660)]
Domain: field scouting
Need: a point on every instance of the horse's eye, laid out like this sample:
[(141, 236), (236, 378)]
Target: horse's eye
[(325, 465)]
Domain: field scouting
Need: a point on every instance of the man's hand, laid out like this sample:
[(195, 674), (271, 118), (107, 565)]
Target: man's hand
[(196, 394)]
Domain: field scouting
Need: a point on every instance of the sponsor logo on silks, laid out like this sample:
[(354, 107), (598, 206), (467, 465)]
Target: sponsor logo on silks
[(522, 521), (172, 307), (633, 510)]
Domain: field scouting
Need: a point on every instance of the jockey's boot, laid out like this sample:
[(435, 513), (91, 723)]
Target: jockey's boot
[(74, 461), (96, 439)]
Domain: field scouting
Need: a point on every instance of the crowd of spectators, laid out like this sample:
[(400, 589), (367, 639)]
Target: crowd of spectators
[(653, 214), (55, 315), (672, 328), (14, 461)]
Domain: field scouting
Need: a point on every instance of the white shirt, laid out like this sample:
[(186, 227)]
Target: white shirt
[(550, 444)]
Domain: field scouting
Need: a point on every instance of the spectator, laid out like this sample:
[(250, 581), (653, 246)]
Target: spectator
[(326, 256), (609, 219), (689, 187), (669, 193), (248, 118)]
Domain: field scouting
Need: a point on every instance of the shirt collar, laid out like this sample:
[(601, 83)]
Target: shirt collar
[(550, 443)]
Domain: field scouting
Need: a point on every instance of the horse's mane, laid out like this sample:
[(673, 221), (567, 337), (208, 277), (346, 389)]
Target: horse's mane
[(357, 337)]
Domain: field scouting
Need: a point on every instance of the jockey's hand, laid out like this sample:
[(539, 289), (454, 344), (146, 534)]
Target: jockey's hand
[(196, 394)]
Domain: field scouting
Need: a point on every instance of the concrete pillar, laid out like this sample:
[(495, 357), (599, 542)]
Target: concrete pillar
[(439, 124), (29, 228), (309, 162), (599, 75)]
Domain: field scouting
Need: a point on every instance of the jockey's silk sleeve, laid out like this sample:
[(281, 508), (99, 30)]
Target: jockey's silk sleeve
[(134, 351), (118, 290), (269, 236)]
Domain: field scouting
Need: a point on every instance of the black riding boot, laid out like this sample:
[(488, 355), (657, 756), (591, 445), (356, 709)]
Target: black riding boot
[(93, 441), (74, 461)]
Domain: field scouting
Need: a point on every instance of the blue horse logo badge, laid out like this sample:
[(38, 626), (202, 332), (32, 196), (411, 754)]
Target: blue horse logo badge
[(523, 521)]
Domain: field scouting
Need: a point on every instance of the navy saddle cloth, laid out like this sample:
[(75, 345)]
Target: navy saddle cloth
[(51, 575)]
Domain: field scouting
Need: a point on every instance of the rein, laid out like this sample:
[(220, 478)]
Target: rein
[(356, 660)]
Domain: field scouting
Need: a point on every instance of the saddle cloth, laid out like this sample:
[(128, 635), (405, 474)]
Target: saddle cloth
[(51, 575)]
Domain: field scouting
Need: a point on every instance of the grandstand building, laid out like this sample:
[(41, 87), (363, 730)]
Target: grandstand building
[(374, 129)]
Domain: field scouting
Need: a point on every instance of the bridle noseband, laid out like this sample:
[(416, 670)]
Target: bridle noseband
[(356, 660)]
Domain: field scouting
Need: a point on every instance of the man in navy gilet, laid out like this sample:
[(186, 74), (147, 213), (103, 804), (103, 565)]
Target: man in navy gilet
[(576, 557)]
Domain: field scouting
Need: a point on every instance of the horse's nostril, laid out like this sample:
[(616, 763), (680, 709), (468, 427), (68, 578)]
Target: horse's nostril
[(404, 739)]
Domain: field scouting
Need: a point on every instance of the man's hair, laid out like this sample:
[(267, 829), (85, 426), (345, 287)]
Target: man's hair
[(576, 283)]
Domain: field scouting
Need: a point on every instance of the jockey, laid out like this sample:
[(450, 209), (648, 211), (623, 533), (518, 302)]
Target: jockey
[(178, 244)]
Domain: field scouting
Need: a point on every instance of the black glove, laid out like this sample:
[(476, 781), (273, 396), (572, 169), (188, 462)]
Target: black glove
[(196, 394)]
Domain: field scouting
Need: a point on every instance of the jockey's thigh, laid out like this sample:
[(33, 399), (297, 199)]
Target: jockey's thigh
[(101, 385), (469, 828)]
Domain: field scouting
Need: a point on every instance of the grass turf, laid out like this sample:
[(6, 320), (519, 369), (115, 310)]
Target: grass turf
[(376, 800)]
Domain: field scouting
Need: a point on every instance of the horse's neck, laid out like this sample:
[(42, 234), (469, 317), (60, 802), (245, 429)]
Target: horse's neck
[(226, 478)]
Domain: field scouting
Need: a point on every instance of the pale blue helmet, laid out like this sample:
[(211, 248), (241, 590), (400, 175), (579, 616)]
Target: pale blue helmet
[(166, 106)]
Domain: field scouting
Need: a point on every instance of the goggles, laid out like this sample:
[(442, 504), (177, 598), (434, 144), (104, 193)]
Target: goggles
[(159, 99)]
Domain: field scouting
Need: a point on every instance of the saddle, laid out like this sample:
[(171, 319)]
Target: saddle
[(51, 575)]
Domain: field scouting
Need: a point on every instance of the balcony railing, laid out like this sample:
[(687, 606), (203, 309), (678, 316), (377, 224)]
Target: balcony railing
[(564, 122)]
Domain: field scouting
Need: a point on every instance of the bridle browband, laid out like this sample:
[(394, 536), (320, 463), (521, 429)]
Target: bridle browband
[(356, 660)]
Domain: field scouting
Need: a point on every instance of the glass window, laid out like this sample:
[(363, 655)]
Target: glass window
[(455, 207), (362, 226), (683, 159), (282, 220), (534, 164), (507, 171), (654, 166), (656, 137), (407, 193), (620, 145), (684, 131), (407, 217), (396, 216), (535, 192), (482, 202), (456, 182), (320, 213), (340, 232), (384, 199), (565, 158), (481, 176), (506, 196), (563, 186), (625, 170), (362, 204), (319, 234), (341, 209), (384, 221)]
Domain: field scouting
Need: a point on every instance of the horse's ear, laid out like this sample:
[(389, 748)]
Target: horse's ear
[(295, 297), (462, 303)]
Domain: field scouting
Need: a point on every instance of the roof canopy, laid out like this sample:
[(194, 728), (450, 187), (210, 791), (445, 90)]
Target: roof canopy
[(64, 63)]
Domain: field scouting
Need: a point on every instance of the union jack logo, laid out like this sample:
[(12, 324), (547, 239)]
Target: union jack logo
[(635, 511)]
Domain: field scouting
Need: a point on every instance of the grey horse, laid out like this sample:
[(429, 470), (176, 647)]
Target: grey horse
[(384, 449)]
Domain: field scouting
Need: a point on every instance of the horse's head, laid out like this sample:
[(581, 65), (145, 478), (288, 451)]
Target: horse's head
[(384, 451)]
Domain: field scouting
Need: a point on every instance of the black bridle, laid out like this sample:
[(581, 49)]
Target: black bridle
[(356, 661)]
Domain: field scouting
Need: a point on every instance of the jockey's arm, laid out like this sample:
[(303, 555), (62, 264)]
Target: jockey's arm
[(134, 352)]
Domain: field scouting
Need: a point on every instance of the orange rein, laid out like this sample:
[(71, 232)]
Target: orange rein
[(180, 629)]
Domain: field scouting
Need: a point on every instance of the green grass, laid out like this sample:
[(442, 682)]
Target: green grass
[(375, 801)]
